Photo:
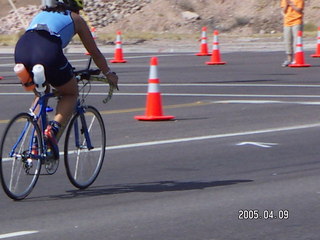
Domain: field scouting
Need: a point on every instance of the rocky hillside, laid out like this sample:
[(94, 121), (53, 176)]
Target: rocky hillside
[(178, 16)]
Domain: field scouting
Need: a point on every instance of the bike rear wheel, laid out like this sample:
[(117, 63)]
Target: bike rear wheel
[(20, 156), (84, 153)]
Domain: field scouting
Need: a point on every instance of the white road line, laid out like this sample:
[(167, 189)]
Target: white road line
[(131, 57), (222, 95), (161, 55), (16, 234), (258, 144), (201, 138), (7, 65), (205, 95), (197, 85), (266, 102), (222, 85), (250, 101), (209, 137), (16, 93)]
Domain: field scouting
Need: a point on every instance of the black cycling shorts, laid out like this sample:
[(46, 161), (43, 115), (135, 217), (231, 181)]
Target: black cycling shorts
[(39, 47)]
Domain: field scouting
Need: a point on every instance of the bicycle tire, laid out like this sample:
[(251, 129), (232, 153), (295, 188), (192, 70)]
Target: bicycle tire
[(20, 166), (82, 164)]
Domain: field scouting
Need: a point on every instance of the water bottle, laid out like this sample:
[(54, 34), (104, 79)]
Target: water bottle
[(39, 77), (24, 77)]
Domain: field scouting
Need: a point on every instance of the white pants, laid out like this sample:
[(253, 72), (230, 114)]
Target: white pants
[(290, 35)]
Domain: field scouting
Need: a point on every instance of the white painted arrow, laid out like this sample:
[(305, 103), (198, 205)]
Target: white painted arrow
[(258, 144)]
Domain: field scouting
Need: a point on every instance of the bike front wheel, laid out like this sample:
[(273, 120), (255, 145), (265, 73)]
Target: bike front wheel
[(84, 148), (20, 156)]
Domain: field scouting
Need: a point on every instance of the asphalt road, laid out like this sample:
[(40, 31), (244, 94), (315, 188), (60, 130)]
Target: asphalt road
[(240, 160)]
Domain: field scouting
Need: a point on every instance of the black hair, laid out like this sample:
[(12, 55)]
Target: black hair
[(61, 8)]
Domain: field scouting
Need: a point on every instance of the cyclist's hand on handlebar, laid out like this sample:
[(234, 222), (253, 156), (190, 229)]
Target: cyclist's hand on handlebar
[(113, 79)]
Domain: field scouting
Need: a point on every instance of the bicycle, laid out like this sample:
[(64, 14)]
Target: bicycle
[(23, 148)]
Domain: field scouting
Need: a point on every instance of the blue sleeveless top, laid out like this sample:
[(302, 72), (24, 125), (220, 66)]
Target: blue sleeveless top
[(57, 24)]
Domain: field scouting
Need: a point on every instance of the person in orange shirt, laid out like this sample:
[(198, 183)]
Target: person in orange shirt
[(292, 11)]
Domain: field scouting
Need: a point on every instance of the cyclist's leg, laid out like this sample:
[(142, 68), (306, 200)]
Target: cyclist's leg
[(68, 94), (67, 102), (60, 76)]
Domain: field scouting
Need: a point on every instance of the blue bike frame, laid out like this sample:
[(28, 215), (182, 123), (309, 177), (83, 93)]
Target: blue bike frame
[(41, 103), (81, 111)]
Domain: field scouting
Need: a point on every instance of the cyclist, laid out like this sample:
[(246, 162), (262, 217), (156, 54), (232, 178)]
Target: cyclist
[(49, 32)]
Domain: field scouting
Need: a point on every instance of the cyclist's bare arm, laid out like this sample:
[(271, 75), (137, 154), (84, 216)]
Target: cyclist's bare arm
[(82, 29)]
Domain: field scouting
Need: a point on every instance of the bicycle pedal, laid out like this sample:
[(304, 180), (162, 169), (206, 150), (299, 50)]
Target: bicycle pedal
[(28, 164)]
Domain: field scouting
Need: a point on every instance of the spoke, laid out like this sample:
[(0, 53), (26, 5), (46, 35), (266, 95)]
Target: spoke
[(77, 164)]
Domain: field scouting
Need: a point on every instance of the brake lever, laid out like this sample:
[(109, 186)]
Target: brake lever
[(110, 93)]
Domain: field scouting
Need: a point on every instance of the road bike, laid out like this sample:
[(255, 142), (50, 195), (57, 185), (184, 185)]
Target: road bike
[(24, 151)]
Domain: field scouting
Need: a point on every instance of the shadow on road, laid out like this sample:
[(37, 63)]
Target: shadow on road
[(152, 187)]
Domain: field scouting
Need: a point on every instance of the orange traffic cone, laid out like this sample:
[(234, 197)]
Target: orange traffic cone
[(94, 35), (317, 53), (154, 103), (215, 59), (299, 55), (118, 54), (204, 44)]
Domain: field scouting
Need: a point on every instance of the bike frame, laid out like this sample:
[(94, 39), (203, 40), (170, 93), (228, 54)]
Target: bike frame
[(21, 138), (41, 103), (81, 111), (41, 117)]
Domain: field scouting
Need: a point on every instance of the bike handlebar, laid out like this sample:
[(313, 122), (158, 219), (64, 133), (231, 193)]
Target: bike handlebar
[(94, 75), (87, 73)]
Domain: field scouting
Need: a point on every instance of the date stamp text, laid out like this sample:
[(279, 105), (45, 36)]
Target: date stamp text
[(255, 214)]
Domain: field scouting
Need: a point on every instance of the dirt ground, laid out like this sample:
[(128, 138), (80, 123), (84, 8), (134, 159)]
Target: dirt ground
[(6, 7), (243, 17)]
